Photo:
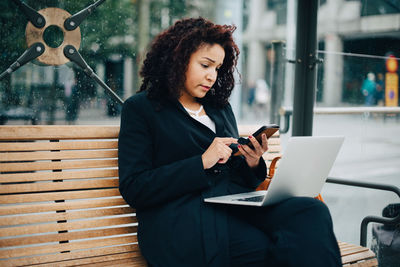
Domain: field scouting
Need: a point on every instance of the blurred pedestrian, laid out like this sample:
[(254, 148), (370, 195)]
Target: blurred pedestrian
[(261, 97), (72, 102), (368, 89), (251, 94)]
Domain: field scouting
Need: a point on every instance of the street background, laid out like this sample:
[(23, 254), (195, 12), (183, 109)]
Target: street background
[(370, 153)]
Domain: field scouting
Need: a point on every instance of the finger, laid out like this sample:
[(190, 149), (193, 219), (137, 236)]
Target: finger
[(264, 142), (228, 140), (247, 151), (224, 154), (225, 158), (240, 148), (227, 150), (256, 145)]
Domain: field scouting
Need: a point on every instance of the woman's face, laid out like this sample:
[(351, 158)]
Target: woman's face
[(202, 70)]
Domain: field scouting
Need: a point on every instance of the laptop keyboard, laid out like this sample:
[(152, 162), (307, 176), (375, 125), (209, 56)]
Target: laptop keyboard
[(252, 199)]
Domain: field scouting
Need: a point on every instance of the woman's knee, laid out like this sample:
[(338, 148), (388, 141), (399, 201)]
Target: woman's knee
[(302, 203), (307, 206)]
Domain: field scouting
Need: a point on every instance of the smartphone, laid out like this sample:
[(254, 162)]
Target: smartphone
[(269, 130)]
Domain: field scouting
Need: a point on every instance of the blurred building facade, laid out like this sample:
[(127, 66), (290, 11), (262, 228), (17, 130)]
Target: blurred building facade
[(345, 27)]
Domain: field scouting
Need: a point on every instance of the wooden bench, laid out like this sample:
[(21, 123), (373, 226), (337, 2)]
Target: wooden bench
[(60, 204)]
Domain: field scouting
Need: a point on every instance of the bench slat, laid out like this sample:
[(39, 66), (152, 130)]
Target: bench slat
[(58, 155), (343, 245), (56, 132), (358, 256), (19, 241), (69, 205), (353, 253), (274, 148), (53, 248), (50, 175), (60, 216), (57, 165), (63, 145), (60, 259), (56, 227), (349, 251), (275, 139), (37, 197), (129, 261), (57, 186)]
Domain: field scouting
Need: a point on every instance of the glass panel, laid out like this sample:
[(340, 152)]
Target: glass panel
[(353, 90), (352, 44), (113, 40), (350, 102)]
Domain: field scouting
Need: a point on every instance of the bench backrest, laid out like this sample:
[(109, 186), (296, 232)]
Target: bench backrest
[(59, 198)]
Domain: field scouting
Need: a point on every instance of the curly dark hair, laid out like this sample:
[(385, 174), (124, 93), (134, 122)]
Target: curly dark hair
[(167, 61)]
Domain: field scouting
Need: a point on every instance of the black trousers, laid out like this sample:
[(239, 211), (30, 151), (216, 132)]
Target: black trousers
[(296, 232)]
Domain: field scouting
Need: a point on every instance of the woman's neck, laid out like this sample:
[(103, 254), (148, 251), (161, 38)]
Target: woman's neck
[(189, 102)]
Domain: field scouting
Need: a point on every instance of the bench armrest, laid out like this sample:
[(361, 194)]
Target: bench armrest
[(368, 219)]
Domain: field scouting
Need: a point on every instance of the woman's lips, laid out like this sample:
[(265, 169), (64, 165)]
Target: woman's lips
[(205, 88)]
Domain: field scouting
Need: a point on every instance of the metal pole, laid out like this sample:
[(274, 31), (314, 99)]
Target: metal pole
[(276, 81), (305, 71)]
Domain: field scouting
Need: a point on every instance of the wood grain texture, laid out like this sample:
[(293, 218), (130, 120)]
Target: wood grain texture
[(57, 132), (66, 226), (56, 248), (58, 186), (85, 234), (50, 175), (63, 145), (58, 155), (74, 256), (53, 196), (62, 216), (57, 206), (57, 165)]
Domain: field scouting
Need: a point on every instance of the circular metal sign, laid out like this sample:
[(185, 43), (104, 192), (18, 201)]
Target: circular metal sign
[(53, 55)]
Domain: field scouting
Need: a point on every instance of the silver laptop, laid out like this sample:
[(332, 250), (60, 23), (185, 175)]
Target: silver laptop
[(303, 169)]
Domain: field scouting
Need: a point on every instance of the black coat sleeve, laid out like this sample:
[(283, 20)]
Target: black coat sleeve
[(140, 181), (251, 177)]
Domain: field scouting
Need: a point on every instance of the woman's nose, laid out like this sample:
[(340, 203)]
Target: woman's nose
[(212, 75)]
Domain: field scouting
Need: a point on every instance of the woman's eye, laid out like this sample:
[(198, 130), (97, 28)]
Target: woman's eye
[(204, 65)]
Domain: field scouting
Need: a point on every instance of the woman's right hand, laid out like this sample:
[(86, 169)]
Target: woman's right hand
[(218, 152)]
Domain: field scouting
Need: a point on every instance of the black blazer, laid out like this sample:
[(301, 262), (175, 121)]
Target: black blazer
[(162, 176)]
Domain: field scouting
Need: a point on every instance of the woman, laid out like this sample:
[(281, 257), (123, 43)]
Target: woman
[(174, 151)]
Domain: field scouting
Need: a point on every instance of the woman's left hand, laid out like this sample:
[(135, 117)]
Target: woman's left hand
[(253, 156)]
